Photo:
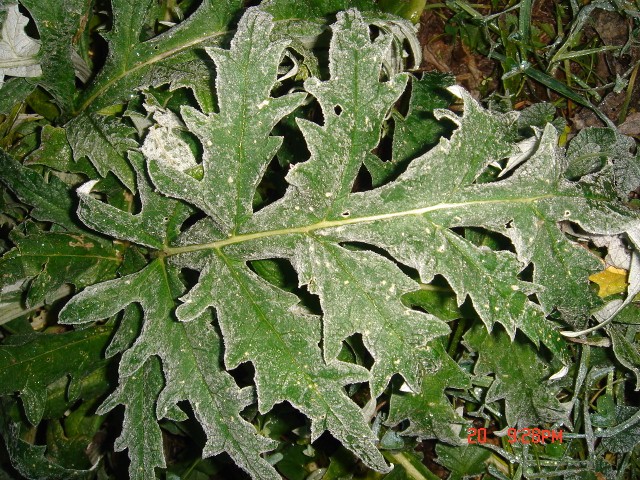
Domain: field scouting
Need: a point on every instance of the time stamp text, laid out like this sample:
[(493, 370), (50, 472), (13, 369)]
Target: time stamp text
[(520, 435)]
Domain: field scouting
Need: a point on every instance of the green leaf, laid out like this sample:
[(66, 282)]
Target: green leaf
[(409, 9), (362, 292), (520, 378), (156, 225), (58, 25), (595, 148), (408, 466), (308, 9), (55, 152), (163, 59), (419, 131), (69, 440), (236, 151), (626, 440), (283, 347), (190, 361), (104, 140), (52, 259), (52, 200), (410, 218), (354, 103), (625, 347), (31, 461), (463, 461), (141, 433), (232, 298), (14, 90), (31, 362), (429, 411)]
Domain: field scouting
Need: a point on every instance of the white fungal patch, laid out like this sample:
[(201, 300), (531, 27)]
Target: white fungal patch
[(86, 188), (163, 145)]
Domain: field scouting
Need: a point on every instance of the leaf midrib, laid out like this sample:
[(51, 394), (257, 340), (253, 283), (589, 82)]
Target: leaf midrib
[(97, 332), (151, 60), (326, 224), (145, 63)]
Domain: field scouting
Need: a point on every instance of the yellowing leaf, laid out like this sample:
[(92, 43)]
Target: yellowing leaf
[(610, 281)]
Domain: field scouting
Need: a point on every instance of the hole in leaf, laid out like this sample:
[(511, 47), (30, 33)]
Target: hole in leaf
[(534, 298), (189, 277), (327, 444), (277, 271), (337, 110), (192, 220), (402, 104), (374, 32), (526, 275), (280, 273), (384, 150), (243, 374), (30, 29), (436, 298), (354, 351), (363, 181), (631, 394), (295, 150), (272, 186), (482, 237), (359, 246)]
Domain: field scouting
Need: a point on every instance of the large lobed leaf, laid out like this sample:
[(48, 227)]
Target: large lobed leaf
[(359, 253), (360, 291)]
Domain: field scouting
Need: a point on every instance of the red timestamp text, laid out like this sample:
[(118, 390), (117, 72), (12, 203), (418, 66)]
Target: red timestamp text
[(521, 435)]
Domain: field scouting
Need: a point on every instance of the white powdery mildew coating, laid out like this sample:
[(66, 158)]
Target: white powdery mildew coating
[(18, 51), (360, 291), (163, 145)]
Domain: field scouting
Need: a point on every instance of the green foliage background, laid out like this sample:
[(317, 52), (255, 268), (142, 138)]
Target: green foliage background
[(256, 241)]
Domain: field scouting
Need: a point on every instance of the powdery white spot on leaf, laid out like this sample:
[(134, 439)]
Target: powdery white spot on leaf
[(162, 143), (18, 51)]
